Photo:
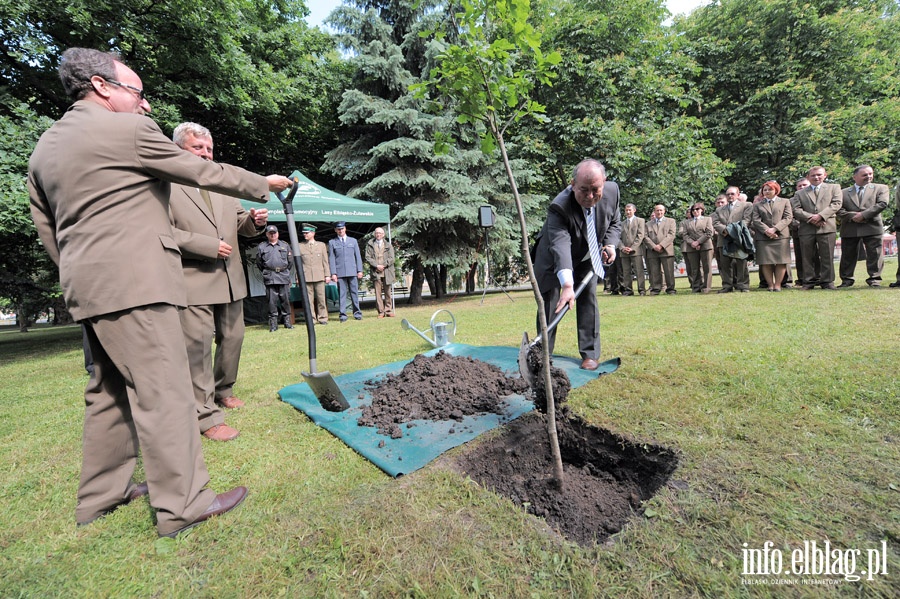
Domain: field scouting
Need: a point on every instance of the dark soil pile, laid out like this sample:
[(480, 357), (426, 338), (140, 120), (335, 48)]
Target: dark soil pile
[(606, 476), (559, 380), (443, 387)]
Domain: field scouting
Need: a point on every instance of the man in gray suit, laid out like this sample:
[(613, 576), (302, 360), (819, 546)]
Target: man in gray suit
[(631, 251), (733, 271), (346, 269), (206, 227), (659, 240), (861, 223), (563, 252), (99, 181), (814, 209)]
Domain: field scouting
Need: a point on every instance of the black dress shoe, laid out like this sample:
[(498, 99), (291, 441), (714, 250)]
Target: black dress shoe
[(224, 502), (589, 364)]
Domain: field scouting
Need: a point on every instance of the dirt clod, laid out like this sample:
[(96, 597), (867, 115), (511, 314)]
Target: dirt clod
[(558, 377)]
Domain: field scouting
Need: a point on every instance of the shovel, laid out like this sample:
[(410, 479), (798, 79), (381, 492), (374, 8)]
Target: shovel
[(321, 383), (524, 371)]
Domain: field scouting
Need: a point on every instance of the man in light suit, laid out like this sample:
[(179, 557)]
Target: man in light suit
[(206, 227), (861, 223), (734, 272), (814, 209), (562, 253), (99, 181), (631, 251), (346, 269), (659, 244), (314, 256), (380, 258)]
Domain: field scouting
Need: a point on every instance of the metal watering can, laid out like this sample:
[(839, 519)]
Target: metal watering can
[(443, 330)]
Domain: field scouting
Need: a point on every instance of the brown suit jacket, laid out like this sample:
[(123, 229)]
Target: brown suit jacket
[(701, 231), (722, 217), (79, 207), (874, 200), (208, 278), (825, 203), (662, 234), (315, 261), (632, 236), (778, 214)]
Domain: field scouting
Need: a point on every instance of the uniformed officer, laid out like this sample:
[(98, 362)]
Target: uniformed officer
[(274, 258), (314, 256)]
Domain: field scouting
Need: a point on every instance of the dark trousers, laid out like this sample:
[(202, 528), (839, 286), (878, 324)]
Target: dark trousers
[(276, 293), (734, 272), (850, 255), (587, 317), (821, 248)]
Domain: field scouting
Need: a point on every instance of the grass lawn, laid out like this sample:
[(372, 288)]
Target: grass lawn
[(784, 409)]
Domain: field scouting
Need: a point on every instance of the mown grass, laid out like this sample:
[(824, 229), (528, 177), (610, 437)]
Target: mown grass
[(784, 409)]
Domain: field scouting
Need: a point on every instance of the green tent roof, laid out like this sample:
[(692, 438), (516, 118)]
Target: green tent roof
[(314, 203)]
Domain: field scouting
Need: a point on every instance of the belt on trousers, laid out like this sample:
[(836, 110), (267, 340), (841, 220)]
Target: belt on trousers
[(278, 269)]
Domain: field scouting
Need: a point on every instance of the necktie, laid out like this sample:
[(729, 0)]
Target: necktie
[(205, 195), (860, 191), (593, 247)]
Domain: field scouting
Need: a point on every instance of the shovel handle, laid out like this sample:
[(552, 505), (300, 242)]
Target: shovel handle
[(559, 315)]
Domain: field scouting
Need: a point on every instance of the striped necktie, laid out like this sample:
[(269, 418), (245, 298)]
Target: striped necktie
[(593, 246)]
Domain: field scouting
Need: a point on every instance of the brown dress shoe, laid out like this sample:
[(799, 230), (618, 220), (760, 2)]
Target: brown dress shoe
[(589, 364), (224, 502), (221, 432), (230, 402), (139, 490)]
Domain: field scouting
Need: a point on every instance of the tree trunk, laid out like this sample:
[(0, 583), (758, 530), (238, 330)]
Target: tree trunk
[(432, 281), (470, 278), (415, 286), (22, 318)]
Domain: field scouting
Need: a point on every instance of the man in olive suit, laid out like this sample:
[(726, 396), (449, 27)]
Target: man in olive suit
[(206, 227), (314, 256), (733, 270), (99, 181), (631, 251), (814, 208), (659, 250), (861, 223)]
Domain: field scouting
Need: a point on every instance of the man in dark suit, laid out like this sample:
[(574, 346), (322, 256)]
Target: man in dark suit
[(99, 181), (861, 224), (346, 269), (814, 209), (659, 241), (206, 227), (275, 260), (563, 252)]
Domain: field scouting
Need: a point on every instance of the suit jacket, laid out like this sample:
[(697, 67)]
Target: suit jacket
[(701, 230), (344, 258), (633, 236), (208, 278), (104, 217), (722, 217), (777, 214), (662, 233), (562, 242), (825, 203), (371, 258), (314, 256), (873, 201)]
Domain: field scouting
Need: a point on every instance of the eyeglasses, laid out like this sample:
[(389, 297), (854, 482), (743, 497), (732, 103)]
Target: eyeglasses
[(139, 91)]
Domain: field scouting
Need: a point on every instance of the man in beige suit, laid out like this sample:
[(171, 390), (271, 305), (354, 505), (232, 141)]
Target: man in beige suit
[(861, 223), (814, 209), (659, 248), (99, 181), (631, 250), (206, 227), (314, 256), (734, 272)]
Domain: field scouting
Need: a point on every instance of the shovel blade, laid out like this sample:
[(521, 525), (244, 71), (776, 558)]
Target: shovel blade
[(524, 371), (327, 391)]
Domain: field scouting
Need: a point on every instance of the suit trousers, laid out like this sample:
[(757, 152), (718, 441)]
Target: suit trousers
[(660, 266), (734, 272), (384, 300), (198, 324), (140, 397), (699, 267), (276, 294), (632, 264), (318, 305), (587, 317), (348, 286), (229, 325), (850, 255), (818, 248)]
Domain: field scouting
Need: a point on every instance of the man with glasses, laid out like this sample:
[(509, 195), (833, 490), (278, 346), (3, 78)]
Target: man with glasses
[(732, 269), (99, 181), (580, 235)]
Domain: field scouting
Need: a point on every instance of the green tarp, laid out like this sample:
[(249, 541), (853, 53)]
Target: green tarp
[(314, 203)]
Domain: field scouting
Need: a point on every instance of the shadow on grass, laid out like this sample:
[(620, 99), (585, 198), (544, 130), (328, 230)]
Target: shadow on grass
[(40, 341)]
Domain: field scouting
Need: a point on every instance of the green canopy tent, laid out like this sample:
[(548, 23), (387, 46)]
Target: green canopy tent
[(312, 204)]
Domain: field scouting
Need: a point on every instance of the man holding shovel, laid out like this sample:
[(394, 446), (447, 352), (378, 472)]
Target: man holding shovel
[(580, 235)]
